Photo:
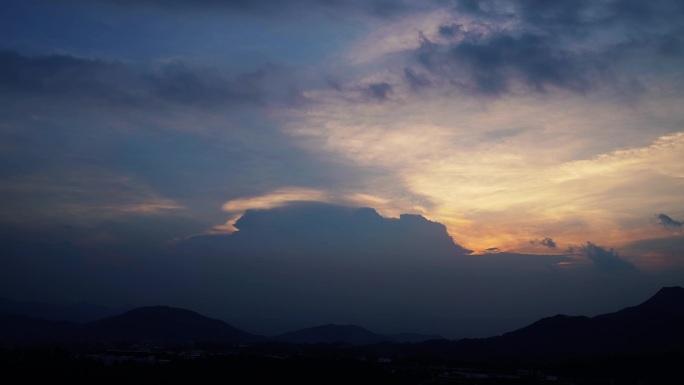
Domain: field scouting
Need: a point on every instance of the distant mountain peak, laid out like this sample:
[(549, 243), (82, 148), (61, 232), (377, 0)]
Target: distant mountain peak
[(338, 326), (348, 334), (165, 323), (161, 310), (670, 299), (670, 291), (654, 325)]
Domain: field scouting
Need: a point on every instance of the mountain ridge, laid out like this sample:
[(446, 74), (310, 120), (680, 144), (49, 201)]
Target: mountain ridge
[(655, 325), (168, 324), (347, 334)]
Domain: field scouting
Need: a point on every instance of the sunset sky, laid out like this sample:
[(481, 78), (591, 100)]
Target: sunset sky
[(547, 137)]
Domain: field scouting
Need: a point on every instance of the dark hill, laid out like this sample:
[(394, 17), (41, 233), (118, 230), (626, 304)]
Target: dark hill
[(347, 334), (657, 325), (21, 330), (667, 302), (165, 324)]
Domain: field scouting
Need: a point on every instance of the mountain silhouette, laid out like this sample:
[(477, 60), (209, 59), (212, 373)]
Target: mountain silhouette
[(347, 334), (145, 324), (165, 324), (22, 330), (655, 325)]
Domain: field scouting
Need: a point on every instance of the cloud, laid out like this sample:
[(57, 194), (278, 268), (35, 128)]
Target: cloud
[(119, 84), (302, 229), (271, 8), (65, 76), (322, 259), (605, 259), (553, 169), (658, 254), (670, 223), (277, 198), (648, 13), (380, 90), (449, 30), (579, 14), (416, 80), (84, 195), (494, 64), (493, 49), (287, 196), (546, 242), (177, 83)]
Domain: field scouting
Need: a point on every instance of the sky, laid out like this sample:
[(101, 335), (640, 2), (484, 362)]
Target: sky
[(459, 167)]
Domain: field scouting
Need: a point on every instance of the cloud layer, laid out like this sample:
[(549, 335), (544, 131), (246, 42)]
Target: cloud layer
[(116, 83)]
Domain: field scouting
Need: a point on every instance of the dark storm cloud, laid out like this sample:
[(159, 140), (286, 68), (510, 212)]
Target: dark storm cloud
[(559, 14), (648, 12), (111, 82), (577, 13), (469, 6), (450, 30), (311, 228), (65, 76), (380, 90), (490, 65), (178, 83), (548, 242), (325, 259), (605, 259), (376, 8), (573, 45), (415, 80), (669, 223)]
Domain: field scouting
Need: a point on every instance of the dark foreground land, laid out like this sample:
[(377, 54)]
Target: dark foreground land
[(638, 345), (322, 364)]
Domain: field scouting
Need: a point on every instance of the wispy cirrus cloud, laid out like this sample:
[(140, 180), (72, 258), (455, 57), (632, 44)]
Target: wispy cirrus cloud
[(82, 196)]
